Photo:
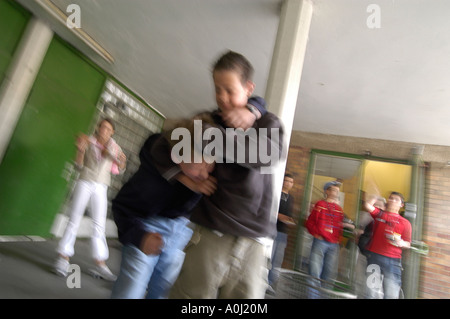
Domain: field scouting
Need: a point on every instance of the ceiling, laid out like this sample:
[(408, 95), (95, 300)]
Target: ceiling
[(388, 83)]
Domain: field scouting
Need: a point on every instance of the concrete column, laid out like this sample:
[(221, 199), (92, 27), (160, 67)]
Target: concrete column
[(285, 74), (20, 77)]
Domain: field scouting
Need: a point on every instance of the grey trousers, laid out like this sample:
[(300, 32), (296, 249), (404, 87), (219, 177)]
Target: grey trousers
[(221, 266)]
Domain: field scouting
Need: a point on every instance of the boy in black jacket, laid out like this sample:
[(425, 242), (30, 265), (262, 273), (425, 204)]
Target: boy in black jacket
[(151, 212), (226, 257)]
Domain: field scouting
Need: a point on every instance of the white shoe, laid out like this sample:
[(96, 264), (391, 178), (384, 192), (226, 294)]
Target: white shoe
[(102, 272), (61, 267)]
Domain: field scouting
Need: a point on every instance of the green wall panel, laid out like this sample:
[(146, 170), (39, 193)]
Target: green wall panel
[(61, 104)]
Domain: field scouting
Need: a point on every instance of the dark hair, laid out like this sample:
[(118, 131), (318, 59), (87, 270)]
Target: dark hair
[(233, 61), (289, 175), (399, 195)]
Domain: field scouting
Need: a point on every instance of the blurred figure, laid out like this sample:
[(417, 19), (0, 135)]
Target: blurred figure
[(325, 224), (97, 157), (391, 234), (151, 212), (284, 221), (363, 237), (226, 257), (365, 228)]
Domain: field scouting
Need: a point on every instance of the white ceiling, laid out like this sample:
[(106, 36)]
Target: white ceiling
[(389, 83)]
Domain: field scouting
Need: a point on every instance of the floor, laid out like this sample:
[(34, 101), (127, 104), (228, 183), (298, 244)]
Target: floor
[(26, 271)]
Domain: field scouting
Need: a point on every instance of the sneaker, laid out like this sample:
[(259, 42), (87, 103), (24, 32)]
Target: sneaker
[(102, 272), (61, 267)]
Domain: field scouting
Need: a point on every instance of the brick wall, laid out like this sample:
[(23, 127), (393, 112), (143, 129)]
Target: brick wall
[(435, 268)]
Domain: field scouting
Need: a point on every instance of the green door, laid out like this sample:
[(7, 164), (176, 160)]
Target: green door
[(61, 104)]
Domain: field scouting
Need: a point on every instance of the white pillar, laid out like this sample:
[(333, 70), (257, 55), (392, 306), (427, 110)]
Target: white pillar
[(285, 74), (20, 77)]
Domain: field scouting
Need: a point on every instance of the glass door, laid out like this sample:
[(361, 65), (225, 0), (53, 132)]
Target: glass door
[(359, 176), (326, 167)]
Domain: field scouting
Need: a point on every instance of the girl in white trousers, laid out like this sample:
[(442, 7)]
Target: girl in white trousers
[(97, 156)]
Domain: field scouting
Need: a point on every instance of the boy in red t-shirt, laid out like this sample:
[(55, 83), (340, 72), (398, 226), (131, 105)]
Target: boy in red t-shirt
[(325, 224), (391, 234)]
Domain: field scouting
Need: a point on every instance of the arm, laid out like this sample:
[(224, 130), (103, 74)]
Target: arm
[(348, 223), (82, 144), (368, 204), (257, 147), (156, 150), (286, 219), (132, 231), (114, 151), (403, 244), (259, 103), (130, 228), (206, 187), (405, 241), (122, 161), (290, 209), (151, 244), (311, 223), (245, 117), (240, 118)]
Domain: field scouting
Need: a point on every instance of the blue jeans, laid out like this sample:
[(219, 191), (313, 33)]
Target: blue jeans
[(323, 261), (279, 245), (152, 276), (383, 272)]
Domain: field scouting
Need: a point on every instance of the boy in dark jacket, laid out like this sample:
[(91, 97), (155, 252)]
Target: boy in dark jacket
[(226, 257), (151, 212)]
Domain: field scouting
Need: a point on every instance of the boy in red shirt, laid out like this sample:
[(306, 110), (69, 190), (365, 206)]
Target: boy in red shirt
[(391, 234), (325, 224)]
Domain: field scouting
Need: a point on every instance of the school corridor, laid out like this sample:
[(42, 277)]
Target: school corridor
[(361, 88)]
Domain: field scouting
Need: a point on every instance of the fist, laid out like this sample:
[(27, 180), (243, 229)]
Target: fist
[(152, 243)]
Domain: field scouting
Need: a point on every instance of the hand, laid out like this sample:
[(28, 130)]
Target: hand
[(121, 160), (206, 187), (400, 243), (368, 203), (82, 142), (348, 226), (286, 219), (152, 244), (238, 118)]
